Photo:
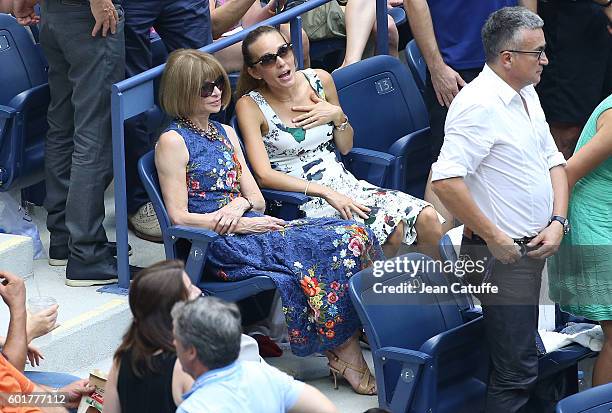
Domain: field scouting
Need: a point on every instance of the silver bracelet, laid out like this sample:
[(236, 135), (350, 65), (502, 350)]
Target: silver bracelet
[(307, 185)]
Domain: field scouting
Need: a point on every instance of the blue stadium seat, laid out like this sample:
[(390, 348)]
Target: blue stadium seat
[(417, 65), (190, 244), (425, 357), (24, 98), (388, 115), (426, 349), (594, 400)]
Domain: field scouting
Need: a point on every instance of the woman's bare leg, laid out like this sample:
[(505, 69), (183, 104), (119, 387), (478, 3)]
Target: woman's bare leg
[(394, 241), (602, 371), (429, 232), (393, 36), (359, 17), (350, 352)]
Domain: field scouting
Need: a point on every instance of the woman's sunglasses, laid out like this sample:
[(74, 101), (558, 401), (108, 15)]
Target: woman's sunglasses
[(209, 87), (269, 59)]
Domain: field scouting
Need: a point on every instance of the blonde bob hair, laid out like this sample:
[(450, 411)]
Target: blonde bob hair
[(186, 72)]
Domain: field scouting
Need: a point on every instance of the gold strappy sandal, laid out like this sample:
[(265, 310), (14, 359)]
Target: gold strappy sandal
[(367, 383)]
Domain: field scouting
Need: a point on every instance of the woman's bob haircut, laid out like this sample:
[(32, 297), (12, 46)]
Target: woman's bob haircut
[(186, 71)]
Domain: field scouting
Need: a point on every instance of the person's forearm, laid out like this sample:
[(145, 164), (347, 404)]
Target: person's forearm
[(530, 4), (456, 197), (560, 190), (228, 15), (16, 345), (421, 25), (344, 139), (282, 182), (256, 14)]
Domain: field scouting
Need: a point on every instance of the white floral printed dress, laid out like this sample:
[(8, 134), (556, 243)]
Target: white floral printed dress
[(310, 154)]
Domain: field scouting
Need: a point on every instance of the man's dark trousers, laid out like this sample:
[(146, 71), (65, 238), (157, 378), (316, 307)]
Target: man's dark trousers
[(180, 24), (78, 150), (510, 323)]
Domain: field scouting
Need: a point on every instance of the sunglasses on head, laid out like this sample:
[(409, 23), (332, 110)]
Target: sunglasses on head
[(209, 87), (269, 59)]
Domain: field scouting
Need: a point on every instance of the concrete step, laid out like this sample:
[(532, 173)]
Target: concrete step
[(16, 254), (91, 323)]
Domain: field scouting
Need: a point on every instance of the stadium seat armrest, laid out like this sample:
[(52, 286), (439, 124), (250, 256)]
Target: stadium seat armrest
[(468, 334), (37, 96), (398, 148), (369, 156), (7, 112), (402, 355), (292, 198), (191, 233)]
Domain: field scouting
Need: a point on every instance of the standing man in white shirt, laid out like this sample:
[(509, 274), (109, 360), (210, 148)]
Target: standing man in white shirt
[(501, 174)]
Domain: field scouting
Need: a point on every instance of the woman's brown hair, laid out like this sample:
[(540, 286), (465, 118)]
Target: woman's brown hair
[(186, 71), (153, 293), (246, 82)]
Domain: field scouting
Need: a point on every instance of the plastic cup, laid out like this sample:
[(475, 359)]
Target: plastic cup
[(38, 304)]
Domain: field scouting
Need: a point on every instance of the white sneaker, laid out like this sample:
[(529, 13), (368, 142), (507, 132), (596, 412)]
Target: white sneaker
[(145, 225)]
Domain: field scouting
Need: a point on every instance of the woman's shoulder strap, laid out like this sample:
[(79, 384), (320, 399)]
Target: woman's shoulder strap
[(315, 82)]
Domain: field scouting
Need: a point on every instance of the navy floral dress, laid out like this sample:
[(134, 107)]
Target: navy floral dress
[(310, 260)]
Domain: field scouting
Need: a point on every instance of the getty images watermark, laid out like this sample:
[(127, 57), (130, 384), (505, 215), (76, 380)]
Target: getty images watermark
[(412, 267)]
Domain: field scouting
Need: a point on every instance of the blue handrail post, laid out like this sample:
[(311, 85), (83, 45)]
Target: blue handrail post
[(117, 116), (382, 31), (296, 39)]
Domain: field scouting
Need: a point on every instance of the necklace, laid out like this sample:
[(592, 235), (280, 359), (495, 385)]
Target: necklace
[(211, 131)]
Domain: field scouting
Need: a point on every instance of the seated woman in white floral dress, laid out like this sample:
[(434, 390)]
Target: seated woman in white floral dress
[(292, 123)]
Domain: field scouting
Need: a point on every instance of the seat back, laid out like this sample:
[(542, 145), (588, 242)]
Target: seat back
[(148, 176), (594, 400), (25, 94), (384, 106), (22, 67), (417, 65)]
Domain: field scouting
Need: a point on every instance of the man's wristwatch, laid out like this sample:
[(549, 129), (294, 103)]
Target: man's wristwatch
[(563, 221)]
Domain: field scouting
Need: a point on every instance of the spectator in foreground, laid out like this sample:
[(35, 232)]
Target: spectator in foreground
[(292, 123), (12, 380), (501, 174), (207, 340), (448, 35), (580, 276), (146, 375), (206, 183)]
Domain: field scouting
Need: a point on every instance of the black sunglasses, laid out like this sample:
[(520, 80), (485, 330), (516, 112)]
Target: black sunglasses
[(269, 59), (209, 87)]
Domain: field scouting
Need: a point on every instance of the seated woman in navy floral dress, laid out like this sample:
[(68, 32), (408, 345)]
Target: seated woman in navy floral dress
[(205, 182)]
